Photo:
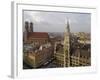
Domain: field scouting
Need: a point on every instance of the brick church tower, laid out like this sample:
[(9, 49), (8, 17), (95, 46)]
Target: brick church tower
[(25, 34), (31, 27)]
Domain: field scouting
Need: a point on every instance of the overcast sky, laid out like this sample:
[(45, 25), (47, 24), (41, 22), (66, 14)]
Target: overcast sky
[(56, 21)]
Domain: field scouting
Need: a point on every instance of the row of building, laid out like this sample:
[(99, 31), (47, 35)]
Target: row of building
[(72, 53), (39, 48)]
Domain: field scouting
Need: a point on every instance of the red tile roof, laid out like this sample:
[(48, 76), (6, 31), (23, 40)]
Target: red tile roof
[(38, 35)]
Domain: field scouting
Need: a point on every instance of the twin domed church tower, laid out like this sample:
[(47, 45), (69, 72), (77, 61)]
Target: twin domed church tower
[(31, 36), (28, 28)]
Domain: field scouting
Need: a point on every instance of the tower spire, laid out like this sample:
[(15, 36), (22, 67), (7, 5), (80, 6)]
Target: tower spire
[(68, 27), (67, 45)]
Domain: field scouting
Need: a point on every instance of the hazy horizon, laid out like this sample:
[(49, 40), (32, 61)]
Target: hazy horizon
[(55, 21)]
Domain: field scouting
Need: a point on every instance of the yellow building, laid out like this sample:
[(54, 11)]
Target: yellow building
[(39, 57), (62, 55)]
